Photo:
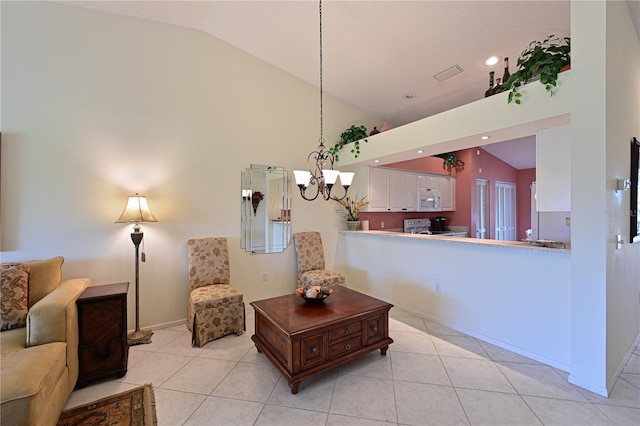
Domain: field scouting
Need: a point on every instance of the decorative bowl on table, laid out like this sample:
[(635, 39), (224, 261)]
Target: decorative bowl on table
[(314, 293)]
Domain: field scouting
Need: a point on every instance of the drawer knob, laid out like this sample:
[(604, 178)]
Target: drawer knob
[(374, 327), (347, 330), (314, 348), (347, 346)]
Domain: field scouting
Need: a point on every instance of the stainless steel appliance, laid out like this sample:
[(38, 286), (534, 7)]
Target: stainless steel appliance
[(417, 226), (429, 201)]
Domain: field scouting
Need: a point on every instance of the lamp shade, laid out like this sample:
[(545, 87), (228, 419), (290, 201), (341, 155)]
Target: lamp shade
[(136, 211)]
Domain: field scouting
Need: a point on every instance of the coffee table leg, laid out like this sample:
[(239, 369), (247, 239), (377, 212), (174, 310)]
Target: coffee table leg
[(259, 350), (294, 387), (383, 350)]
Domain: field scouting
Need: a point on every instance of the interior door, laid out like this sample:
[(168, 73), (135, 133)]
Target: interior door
[(505, 211), (482, 208)]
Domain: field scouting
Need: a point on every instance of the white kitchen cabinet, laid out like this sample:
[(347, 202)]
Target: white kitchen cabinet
[(377, 188), (402, 191), (392, 190), (447, 188), (445, 184), (553, 169), (427, 181)]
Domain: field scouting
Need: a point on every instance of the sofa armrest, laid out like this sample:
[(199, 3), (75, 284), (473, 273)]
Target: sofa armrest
[(55, 318)]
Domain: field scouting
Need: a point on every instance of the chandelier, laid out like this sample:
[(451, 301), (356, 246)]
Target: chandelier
[(321, 174)]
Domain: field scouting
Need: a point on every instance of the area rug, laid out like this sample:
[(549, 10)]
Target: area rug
[(135, 407)]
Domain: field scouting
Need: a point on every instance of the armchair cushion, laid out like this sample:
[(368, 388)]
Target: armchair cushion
[(14, 282), (321, 277)]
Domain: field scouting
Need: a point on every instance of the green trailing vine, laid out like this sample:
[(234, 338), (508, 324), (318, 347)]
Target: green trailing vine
[(353, 134), (543, 59)]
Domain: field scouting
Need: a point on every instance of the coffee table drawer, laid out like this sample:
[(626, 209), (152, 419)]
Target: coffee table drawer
[(313, 351), (375, 329), (346, 346), (344, 331)]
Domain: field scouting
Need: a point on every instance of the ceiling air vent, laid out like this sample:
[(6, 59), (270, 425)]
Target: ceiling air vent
[(448, 73)]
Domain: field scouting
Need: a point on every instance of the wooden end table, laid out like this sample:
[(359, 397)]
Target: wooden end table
[(302, 339), (102, 320)]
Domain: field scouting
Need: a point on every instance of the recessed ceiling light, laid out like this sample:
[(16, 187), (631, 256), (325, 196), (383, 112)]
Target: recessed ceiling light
[(410, 96), (485, 137), (492, 60), (420, 151), (376, 161)]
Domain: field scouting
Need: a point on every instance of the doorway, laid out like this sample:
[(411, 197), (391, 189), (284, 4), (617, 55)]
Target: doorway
[(505, 211)]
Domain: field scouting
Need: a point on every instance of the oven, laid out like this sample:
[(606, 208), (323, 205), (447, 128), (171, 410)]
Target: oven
[(417, 226)]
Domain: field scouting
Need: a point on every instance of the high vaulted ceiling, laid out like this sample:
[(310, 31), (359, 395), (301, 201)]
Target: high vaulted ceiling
[(376, 54)]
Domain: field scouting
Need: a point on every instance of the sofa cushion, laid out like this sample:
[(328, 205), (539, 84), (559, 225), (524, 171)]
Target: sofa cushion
[(14, 284), (44, 277), (30, 376)]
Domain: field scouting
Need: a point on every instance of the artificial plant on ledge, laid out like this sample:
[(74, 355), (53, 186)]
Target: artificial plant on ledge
[(542, 60), (450, 161), (353, 134)]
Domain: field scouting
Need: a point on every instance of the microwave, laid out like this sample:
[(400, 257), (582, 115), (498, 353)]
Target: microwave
[(429, 200)]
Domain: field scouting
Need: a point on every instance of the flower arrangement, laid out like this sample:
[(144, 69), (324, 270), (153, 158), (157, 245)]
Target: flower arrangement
[(352, 207)]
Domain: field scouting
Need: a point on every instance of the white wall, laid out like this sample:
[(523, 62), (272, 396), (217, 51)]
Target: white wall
[(97, 107), (623, 122), (516, 298)]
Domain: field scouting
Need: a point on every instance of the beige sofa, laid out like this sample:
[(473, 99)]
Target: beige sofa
[(39, 362)]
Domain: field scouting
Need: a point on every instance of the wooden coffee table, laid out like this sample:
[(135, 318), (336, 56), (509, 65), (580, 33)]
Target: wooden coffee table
[(303, 339)]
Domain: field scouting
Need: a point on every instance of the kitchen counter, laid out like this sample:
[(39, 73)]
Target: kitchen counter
[(517, 245)]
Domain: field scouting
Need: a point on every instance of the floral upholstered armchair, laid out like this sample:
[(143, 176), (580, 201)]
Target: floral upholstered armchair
[(310, 260), (215, 308)]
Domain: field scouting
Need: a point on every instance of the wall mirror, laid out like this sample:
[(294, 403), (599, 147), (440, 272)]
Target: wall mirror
[(634, 208), (265, 209)]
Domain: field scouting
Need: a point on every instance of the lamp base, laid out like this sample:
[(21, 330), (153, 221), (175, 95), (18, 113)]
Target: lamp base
[(139, 337)]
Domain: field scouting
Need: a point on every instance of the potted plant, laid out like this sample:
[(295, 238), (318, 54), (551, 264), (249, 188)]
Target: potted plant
[(543, 60), (352, 210), (451, 161), (352, 134)]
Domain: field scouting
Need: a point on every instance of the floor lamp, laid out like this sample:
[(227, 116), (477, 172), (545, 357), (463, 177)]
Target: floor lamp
[(137, 211)]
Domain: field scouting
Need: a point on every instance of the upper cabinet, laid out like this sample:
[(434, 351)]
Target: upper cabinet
[(553, 169), (445, 184), (402, 191), (447, 188), (391, 190)]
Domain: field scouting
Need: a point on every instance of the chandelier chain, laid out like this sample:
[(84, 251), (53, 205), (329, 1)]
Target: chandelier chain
[(321, 88)]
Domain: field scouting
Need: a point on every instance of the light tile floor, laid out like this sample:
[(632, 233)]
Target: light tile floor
[(432, 375)]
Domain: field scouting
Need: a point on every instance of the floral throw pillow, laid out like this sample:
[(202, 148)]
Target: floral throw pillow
[(14, 283)]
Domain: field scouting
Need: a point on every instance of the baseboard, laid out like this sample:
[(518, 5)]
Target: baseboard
[(498, 343), (165, 325), (588, 386)]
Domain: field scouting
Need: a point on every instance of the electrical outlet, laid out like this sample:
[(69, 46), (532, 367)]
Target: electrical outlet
[(265, 277), (567, 221), (381, 225), (438, 288)]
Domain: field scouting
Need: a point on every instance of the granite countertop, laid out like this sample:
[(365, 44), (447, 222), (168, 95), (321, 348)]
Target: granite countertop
[(520, 245)]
